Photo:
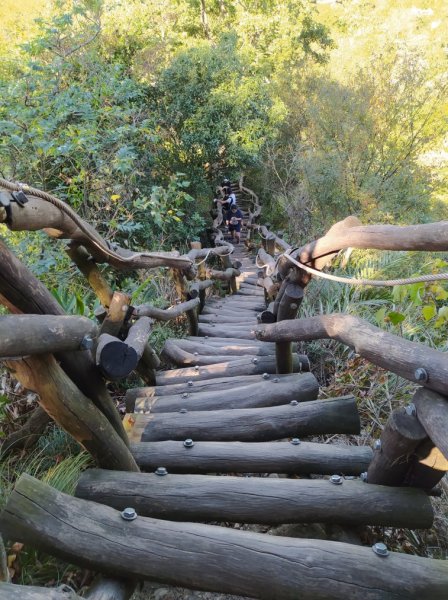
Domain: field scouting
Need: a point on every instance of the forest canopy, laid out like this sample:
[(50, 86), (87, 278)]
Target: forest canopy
[(132, 108)]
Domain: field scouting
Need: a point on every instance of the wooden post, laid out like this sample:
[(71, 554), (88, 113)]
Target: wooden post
[(288, 306), (91, 272), (22, 292), (213, 558), (427, 468), (202, 274), (66, 404), (182, 294), (393, 456), (116, 314)]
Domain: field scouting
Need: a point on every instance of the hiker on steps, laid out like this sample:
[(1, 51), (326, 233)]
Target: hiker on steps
[(234, 221)]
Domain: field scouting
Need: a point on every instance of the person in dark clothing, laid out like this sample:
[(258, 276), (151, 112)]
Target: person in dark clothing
[(234, 221)]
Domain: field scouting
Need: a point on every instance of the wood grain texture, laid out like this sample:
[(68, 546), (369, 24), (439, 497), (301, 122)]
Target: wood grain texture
[(257, 500), (261, 457), (432, 412), (213, 558), (335, 415)]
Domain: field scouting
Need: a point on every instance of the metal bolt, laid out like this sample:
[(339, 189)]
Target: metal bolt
[(86, 342), (161, 471), (410, 410), (275, 380), (293, 403), (128, 514), (189, 383), (363, 476), (380, 549), (196, 368), (266, 375), (183, 410), (188, 443), (185, 395), (421, 375), (377, 445), (336, 480), (255, 361), (295, 441)]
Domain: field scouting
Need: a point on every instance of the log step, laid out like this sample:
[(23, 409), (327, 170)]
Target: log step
[(263, 457), (297, 419), (257, 499), (212, 558), (300, 387), (242, 366)]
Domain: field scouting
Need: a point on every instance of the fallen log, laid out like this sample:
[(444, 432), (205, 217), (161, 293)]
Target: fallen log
[(413, 361), (257, 500), (263, 457), (335, 415), (213, 558), (299, 387)]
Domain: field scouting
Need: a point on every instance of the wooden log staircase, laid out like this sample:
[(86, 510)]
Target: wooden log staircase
[(198, 446)]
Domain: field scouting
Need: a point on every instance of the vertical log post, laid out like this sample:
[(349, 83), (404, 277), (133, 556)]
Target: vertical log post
[(68, 406), (394, 453), (288, 306), (182, 294), (227, 264), (428, 467), (202, 274), (91, 272), (22, 292)]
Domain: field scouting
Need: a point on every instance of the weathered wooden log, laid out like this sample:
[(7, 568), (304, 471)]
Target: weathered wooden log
[(256, 292), (28, 434), (262, 457), (408, 359), (116, 314), (213, 558), (225, 310), (36, 334), (118, 359), (201, 253), (246, 303), (226, 275), (68, 406), (91, 272), (225, 319), (243, 332), (64, 223), (267, 317), (222, 383), (240, 366), (182, 294), (265, 261), (167, 314), (350, 234), (22, 292), (300, 387), (4, 571), (9, 591), (432, 412), (225, 346), (196, 287), (335, 415), (393, 456), (257, 500)]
